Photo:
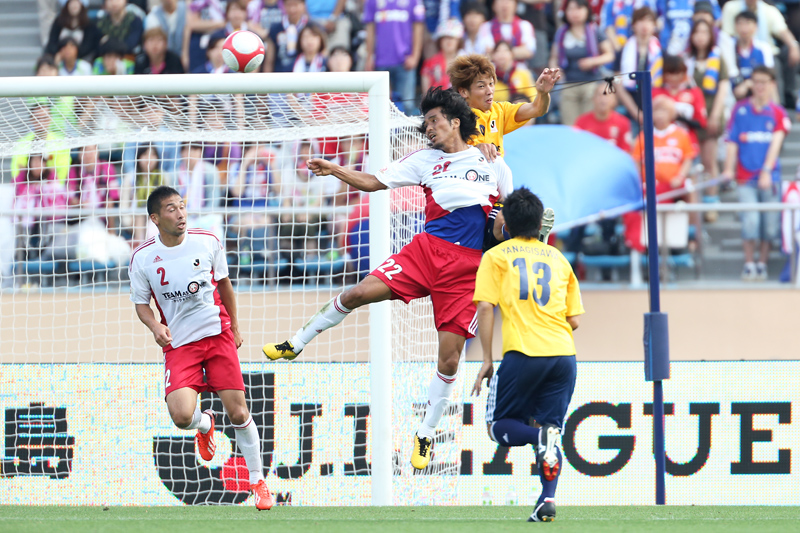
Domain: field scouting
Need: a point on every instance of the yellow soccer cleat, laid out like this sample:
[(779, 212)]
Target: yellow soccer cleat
[(422, 452), (284, 350)]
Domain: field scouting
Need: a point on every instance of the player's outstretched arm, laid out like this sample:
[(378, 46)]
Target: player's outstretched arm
[(486, 332), (360, 180), (226, 294), (541, 103), (148, 317)]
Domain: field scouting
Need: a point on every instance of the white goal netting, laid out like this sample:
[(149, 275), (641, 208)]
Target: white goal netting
[(81, 385)]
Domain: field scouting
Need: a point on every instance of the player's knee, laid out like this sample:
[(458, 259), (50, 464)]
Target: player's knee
[(354, 297), (182, 420), (448, 363), (239, 415)]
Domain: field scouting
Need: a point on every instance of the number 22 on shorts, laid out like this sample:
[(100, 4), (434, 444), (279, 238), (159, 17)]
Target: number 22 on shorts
[(392, 265)]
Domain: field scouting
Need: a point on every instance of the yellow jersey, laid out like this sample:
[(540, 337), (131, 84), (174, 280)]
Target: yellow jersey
[(495, 123), (536, 290)]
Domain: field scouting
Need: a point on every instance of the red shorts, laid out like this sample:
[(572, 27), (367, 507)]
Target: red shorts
[(210, 364), (432, 266)]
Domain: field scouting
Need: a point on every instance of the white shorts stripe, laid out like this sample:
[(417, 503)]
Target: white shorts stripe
[(490, 402)]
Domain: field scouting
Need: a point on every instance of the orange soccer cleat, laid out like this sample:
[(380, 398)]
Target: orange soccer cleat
[(205, 441), (263, 496)]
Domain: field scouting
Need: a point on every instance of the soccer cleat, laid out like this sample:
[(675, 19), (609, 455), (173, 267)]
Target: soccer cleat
[(422, 452), (544, 512), (548, 220), (547, 458), (284, 350), (263, 496), (749, 272), (205, 443)]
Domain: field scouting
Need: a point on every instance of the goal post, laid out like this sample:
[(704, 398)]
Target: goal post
[(380, 152)]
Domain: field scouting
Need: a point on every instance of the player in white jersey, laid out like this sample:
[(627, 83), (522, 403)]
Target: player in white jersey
[(460, 186), (185, 272)]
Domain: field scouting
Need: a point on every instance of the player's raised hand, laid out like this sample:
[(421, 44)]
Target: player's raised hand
[(547, 80), (321, 167), (488, 150), (162, 335), (486, 372)]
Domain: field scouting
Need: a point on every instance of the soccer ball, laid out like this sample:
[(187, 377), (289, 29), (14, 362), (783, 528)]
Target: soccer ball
[(243, 51)]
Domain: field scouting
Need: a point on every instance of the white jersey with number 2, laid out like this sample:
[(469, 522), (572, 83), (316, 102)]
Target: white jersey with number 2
[(183, 281)]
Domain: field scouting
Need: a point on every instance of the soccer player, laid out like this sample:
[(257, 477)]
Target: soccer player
[(185, 271), (474, 77), (460, 186), (540, 303)]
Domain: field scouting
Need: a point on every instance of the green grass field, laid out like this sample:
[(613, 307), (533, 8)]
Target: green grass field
[(400, 519)]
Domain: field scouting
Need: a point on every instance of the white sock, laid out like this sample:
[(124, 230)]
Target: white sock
[(331, 314), (438, 399), (247, 438), (200, 421)]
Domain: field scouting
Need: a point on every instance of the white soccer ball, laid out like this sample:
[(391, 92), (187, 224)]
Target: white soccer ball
[(243, 51)]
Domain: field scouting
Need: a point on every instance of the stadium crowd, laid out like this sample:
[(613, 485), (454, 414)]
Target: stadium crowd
[(728, 66)]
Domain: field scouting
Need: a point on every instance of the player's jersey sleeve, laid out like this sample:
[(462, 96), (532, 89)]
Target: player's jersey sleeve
[(140, 287), (218, 262), (487, 282), (509, 111), (403, 172), (574, 300), (505, 182)]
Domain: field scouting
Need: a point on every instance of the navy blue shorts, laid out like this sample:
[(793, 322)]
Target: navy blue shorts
[(532, 387)]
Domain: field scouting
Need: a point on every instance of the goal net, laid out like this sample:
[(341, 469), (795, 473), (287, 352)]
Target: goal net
[(81, 380)]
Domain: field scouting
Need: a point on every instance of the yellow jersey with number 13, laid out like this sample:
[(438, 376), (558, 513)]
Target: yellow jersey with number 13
[(536, 290), (495, 123)]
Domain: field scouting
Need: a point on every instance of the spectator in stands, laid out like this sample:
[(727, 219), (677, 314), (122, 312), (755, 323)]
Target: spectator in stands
[(148, 176), (642, 51), (771, 24), (263, 14), (122, 24), (434, 69), (73, 21), (617, 20), (57, 159), (205, 18), (507, 26), (709, 71), (673, 150), (69, 64), (677, 23), (473, 15), (604, 121), (92, 183), (254, 183), (214, 64), (151, 113), (704, 10), (756, 132), (395, 30), (111, 59), (63, 113), (283, 44), (750, 52), (223, 154), (170, 16), (690, 103), (236, 19), (512, 77), (313, 49), (35, 189), (198, 180), (155, 57), (580, 49), (329, 15)]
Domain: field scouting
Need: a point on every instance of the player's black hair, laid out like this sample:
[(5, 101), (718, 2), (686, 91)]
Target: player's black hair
[(453, 106), (112, 46), (473, 7), (746, 15), (673, 65), (159, 194), (523, 212), (763, 69)]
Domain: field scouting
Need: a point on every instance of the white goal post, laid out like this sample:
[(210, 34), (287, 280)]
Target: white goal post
[(376, 84)]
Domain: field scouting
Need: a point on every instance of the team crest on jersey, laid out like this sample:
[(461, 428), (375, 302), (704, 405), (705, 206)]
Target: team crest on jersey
[(179, 296), (493, 125), (196, 264), (483, 129), (193, 287), (471, 175)]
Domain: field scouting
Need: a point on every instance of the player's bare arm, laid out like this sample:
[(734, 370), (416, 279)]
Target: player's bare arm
[(541, 103), (160, 331), (226, 294), (574, 321), (360, 180), (485, 314)]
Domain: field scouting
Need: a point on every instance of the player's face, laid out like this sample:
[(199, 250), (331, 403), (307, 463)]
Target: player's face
[(171, 218), (480, 94), (439, 130)]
